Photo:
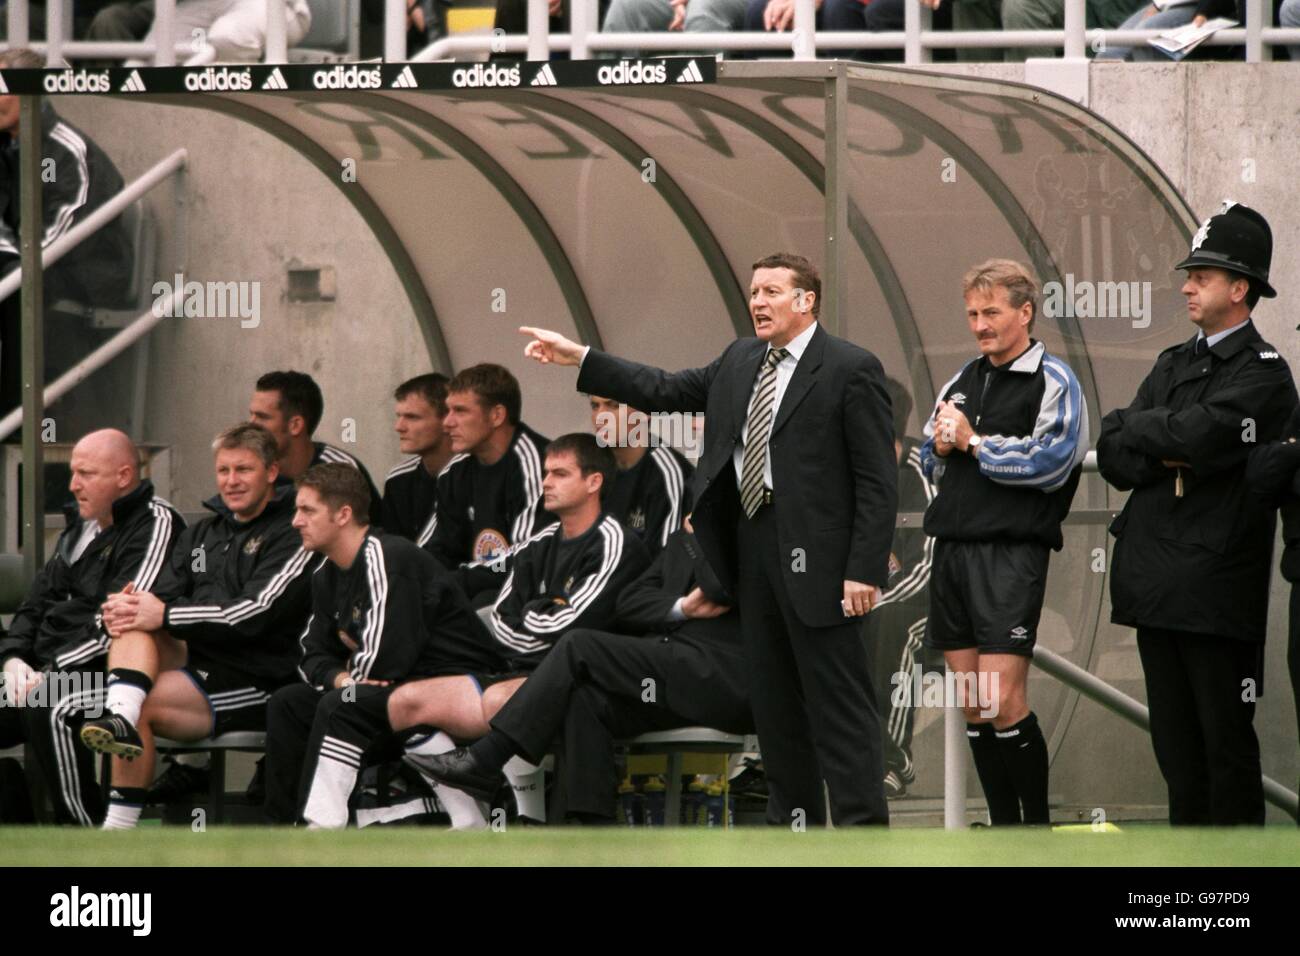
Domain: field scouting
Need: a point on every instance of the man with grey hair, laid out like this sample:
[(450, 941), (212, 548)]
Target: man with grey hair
[(1005, 445), (202, 654), (118, 533)]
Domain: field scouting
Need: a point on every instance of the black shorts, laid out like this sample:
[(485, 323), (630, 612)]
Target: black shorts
[(235, 703), (484, 681), (987, 595)]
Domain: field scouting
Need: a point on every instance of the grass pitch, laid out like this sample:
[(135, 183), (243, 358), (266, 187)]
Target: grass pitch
[(560, 846)]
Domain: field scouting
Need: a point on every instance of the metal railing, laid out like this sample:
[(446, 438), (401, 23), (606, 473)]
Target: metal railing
[(805, 42), (917, 40), (137, 328), (59, 50)]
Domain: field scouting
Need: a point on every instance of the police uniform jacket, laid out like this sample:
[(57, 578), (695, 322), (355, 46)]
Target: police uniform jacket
[(1201, 562), (1274, 472)]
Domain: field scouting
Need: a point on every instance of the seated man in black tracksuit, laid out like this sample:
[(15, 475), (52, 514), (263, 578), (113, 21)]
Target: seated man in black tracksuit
[(201, 655), (677, 662), (567, 576), (490, 493), (382, 612), (651, 490), (411, 489), (290, 406), (119, 532)]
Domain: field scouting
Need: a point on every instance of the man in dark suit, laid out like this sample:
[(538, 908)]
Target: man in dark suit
[(796, 495)]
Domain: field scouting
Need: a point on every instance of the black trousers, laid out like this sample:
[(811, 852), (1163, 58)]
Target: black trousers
[(1201, 727), (594, 687), (53, 730), (316, 743), (812, 696), (1293, 652)]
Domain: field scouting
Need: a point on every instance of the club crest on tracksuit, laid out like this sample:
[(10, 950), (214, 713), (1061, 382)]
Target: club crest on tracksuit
[(489, 544)]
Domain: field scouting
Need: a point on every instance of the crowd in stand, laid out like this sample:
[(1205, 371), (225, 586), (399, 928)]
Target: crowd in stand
[(641, 16), (236, 29)]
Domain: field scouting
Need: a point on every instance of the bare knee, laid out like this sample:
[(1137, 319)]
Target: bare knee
[(494, 698), (403, 707)]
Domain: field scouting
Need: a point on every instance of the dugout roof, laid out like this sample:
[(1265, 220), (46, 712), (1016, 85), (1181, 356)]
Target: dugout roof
[(625, 200)]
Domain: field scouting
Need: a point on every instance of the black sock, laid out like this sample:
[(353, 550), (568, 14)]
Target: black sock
[(134, 796), (999, 788), (127, 676), (493, 751), (1024, 751)]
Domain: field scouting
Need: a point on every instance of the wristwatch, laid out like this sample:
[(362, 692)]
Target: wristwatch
[(973, 445)]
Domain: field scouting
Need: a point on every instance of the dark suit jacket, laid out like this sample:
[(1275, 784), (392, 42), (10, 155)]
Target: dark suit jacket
[(644, 605), (833, 465)]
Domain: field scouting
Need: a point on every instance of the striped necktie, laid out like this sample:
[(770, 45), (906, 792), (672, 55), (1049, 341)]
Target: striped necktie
[(754, 461)]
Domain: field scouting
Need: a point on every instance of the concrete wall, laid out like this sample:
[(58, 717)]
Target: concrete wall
[(1217, 130), (253, 208)]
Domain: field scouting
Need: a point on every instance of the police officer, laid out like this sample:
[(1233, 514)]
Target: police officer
[(1273, 471), (1194, 546)]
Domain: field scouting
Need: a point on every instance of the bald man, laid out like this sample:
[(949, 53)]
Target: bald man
[(118, 533)]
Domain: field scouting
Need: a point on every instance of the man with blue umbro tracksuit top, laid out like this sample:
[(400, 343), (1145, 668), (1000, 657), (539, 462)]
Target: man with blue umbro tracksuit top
[(1005, 444)]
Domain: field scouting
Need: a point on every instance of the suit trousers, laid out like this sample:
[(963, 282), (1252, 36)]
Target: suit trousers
[(812, 695), (1202, 729), (594, 688)]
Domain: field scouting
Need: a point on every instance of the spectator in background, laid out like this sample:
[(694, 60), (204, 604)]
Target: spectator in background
[(98, 270), (692, 16), (1028, 15), (1289, 16), (426, 21), (879, 16), (124, 22), (82, 16), (236, 29), (1171, 18), (512, 18)]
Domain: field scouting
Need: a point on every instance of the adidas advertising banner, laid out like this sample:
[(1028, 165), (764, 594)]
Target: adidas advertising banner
[(298, 78)]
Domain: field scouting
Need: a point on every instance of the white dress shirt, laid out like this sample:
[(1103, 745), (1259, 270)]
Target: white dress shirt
[(784, 372)]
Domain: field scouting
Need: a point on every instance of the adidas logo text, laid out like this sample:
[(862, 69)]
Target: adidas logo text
[(78, 81), (489, 74), (347, 78), (633, 73), (219, 78)]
